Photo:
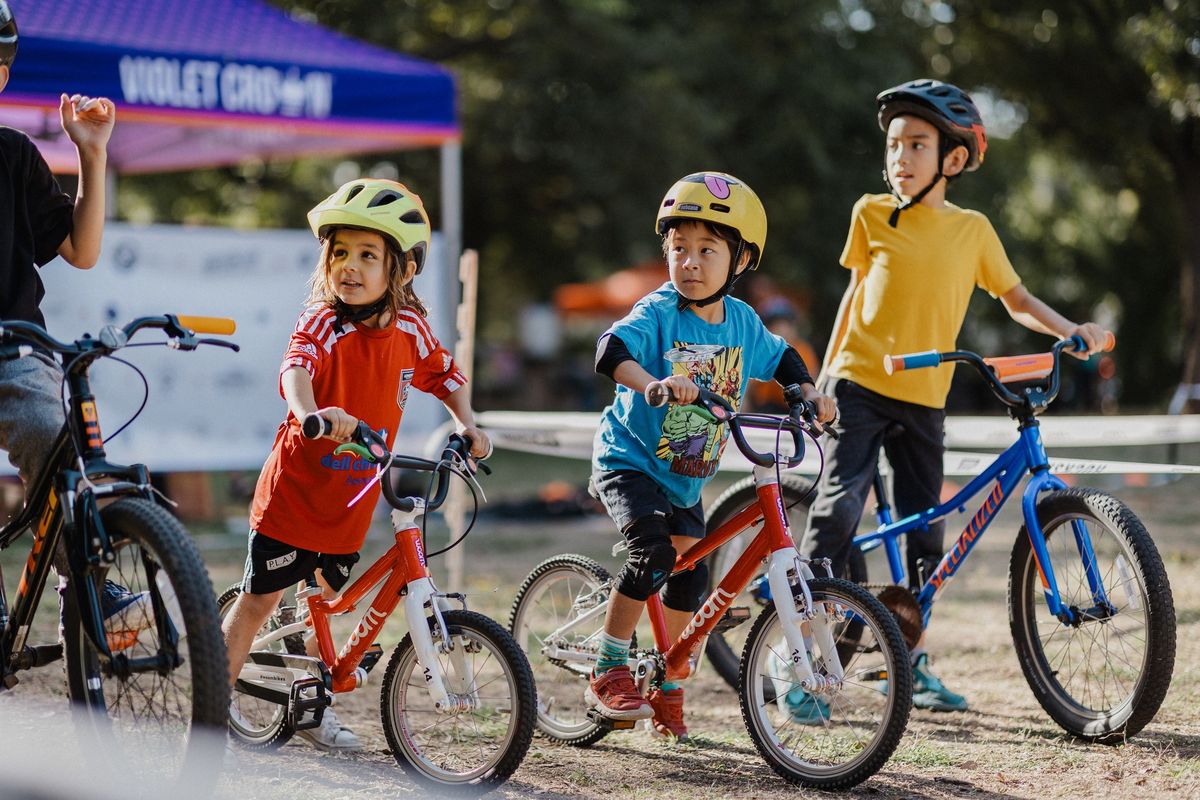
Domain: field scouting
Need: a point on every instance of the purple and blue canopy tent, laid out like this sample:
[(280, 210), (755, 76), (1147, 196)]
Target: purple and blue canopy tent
[(202, 83)]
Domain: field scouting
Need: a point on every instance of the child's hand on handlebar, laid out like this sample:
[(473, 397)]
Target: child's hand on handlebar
[(341, 424), (679, 388), (481, 445), (824, 406), (1095, 336)]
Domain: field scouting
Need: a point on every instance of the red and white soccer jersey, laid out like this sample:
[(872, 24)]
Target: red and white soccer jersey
[(303, 489)]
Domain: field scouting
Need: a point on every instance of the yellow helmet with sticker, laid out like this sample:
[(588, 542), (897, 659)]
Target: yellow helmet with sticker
[(720, 199)]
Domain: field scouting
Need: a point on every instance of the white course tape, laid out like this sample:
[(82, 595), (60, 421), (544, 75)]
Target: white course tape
[(569, 435)]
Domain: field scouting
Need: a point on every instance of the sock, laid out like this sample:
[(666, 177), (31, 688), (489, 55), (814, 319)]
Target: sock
[(613, 653), (670, 686)]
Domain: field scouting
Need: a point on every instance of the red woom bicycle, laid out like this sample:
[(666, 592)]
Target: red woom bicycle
[(458, 698), (831, 649)]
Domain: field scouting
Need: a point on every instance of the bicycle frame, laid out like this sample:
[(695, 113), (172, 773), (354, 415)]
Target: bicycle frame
[(54, 498), (403, 572), (772, 544), (1026, 456)]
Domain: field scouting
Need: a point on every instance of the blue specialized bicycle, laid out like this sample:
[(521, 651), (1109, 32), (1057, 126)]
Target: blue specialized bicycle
[(1090, 606)]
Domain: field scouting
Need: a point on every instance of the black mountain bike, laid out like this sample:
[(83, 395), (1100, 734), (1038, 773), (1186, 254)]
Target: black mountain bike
[(145, 659)]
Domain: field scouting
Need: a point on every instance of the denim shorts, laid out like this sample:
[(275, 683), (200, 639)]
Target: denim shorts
[(629, 495)]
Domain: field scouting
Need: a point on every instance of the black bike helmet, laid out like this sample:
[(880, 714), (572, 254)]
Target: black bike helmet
[(947, 108), (8, 35)]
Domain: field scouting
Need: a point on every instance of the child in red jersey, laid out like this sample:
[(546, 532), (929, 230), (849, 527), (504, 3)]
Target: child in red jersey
[(359, 345)]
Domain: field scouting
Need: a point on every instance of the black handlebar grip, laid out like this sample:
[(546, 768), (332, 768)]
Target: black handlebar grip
[(315, 426), (657, 394)]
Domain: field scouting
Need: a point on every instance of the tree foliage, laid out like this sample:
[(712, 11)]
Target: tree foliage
[(578, 114)]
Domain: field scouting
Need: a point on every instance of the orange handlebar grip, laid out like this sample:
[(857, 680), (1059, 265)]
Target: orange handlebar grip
[(219, 325), (1110, 341)]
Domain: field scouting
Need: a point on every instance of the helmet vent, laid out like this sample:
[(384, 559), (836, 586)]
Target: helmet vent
[(383, 199), (719, 207), (670, 201), (354, 192), (413, 217)]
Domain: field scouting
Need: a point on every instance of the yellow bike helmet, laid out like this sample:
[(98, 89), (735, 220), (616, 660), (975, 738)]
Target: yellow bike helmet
[(374, 204), (721, 199)]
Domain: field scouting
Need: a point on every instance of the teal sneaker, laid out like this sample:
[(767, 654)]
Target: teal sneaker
[(928, 691), (805, 709)]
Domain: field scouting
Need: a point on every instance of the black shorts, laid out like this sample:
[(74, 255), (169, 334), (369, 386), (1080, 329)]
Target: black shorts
[(272, 565), (629, 495)]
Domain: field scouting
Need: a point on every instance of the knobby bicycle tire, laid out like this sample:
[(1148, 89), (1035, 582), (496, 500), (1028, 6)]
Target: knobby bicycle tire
[(136, 716), (1139, 637)]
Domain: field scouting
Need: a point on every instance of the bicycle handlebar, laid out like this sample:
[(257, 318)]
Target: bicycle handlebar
[(371, 445), (181, 330), (718, 410), (1001, 370)]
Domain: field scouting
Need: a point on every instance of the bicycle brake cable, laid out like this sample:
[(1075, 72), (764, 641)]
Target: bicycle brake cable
[(470, 525)]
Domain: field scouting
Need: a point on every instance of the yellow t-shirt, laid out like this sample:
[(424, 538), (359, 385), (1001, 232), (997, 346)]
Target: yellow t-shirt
[(916, 282)]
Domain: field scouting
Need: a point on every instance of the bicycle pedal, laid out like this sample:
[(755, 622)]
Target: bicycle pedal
[(611, 724), (307, 704), (732, 618), (371, 657)]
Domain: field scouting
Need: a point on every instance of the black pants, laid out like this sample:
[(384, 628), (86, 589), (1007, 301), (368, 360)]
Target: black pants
[(912, 436)]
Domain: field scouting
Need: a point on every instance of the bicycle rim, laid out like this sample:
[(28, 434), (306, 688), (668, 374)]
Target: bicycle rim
[(478, 746), (565, 588), (159, 725), (848, 735)]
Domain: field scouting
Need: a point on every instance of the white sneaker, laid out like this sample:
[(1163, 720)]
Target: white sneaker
[(332, 735)]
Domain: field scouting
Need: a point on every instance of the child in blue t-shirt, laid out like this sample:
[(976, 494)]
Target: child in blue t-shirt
[(650, 464)]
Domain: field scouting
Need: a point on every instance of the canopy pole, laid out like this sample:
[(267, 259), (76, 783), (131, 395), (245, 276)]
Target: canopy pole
[(464, 354), (451, 177), (451, 174)]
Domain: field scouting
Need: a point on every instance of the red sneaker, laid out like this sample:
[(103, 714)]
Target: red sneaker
[(668, 713), (615, 695)]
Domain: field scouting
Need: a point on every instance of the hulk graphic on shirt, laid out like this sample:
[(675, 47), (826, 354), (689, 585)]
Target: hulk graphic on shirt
[(690, 442)]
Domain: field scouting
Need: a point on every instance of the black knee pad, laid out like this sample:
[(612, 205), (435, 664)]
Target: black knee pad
[(651, 558), (686, 590)]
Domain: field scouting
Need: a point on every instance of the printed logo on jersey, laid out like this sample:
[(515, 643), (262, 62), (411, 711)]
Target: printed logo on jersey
[(307, 348), (406, 376), (691, 443)]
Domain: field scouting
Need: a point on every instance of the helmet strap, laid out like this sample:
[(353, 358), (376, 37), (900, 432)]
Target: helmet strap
[(347, 313), (734, 275)]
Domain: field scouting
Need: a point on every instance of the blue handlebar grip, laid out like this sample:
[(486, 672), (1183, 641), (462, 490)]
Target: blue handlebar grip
[(930, 358)]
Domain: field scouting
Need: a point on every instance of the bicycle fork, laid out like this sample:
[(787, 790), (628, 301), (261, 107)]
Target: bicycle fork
[(781, 566)]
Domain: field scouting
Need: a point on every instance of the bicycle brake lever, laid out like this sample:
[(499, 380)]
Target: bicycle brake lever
[(220, 343)]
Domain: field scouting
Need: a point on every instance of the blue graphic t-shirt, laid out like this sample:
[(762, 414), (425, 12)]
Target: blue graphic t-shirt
[(677, 448)]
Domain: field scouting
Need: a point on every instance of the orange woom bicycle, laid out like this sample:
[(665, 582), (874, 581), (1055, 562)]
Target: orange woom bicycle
[(832, 640), (458, 698)]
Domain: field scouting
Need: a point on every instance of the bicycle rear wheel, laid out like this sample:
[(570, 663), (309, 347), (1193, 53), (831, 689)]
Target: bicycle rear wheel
[(157, 708), (1104, 677), (837, 739), (724, 648), (557, 592), (467, 751), (256, 722)]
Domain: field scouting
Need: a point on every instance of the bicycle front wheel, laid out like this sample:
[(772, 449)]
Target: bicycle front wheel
[(837, 738), (159, 703), (474, 748), (1103, 675), (555, 621)]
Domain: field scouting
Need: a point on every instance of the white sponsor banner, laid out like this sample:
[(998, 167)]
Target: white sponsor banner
[(570, 435), (211, 409)]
